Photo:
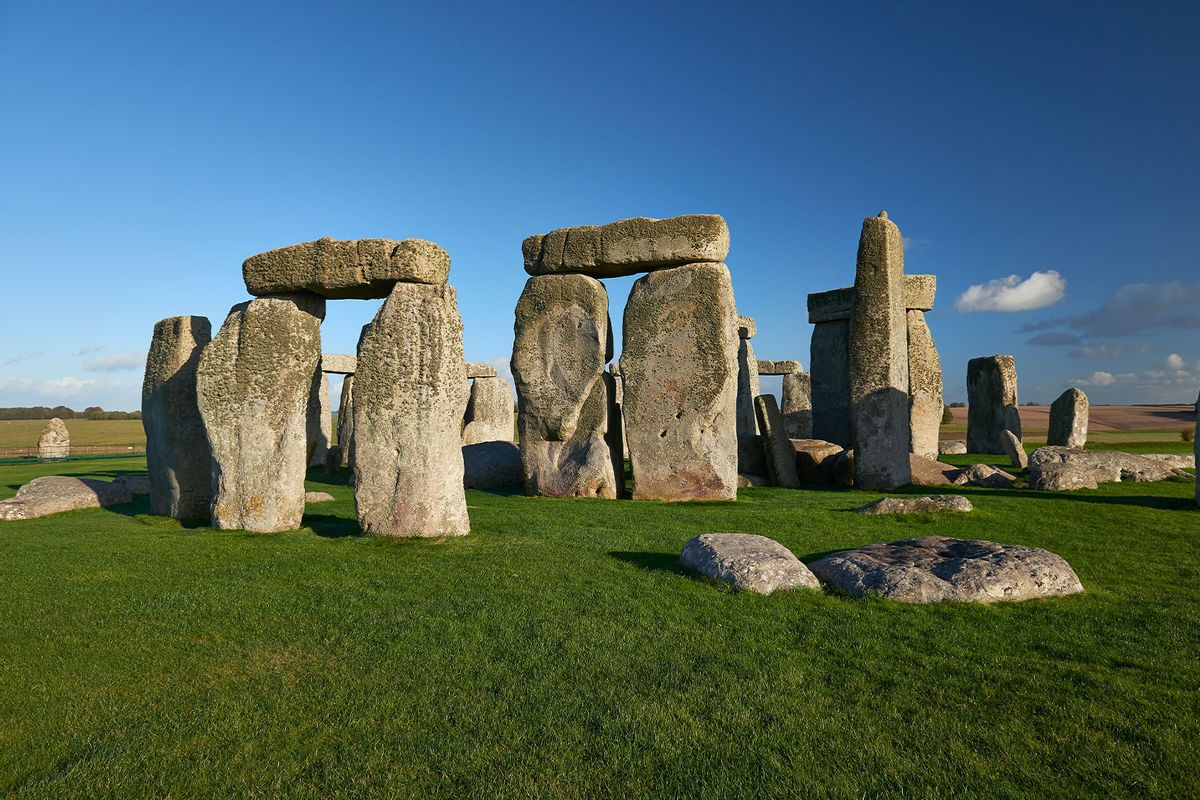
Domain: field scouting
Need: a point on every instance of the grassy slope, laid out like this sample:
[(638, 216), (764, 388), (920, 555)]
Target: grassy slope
[(558, 652), (25, 432)]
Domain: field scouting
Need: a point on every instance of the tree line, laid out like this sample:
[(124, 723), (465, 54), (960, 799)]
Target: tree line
[(62, 412)]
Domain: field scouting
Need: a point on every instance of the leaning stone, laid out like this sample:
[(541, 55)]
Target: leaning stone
[(751, 458), (562, 342), (831, 382), (339, 363), (746, 562), (55, 441), (318, 497), (1062, 478), (786, 367), (478, 370), (628, 246), (815, 459), (178, 456), (55, 494), (1105, 465), (935, 569), (410, 393), (879, 359), (489, 416), (356, 269), (781, 456), (924, 386), (320, 420), (797, 405), (952, 447), (991, 403), (489, 465), (1068, 420), (984, 476), (917, 505), (679, 365), (345, 426), (1014, 448), (253, 386)]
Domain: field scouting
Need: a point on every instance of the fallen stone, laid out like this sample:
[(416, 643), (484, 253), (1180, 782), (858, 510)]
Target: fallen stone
[(318, 497), (490, 465), (55, 441), (796, 405), (985, 476), (787, 367), (355, 269), (1014, 448), (489, 416), (1106, 466), (815, 459), (1176, 460), (748, 481), (747, 562), (1068, 420), (924, 387), (628, 246), (339, 363), (952, 447), (1062, 478), (935, 569), (478, 370), (781, 456), (917, 505), (991, 403), (930, 471), (55, 494)]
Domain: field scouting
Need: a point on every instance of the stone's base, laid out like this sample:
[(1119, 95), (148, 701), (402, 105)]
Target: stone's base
[(746, 562), (917, 505)]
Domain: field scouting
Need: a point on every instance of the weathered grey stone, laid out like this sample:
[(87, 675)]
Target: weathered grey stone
[(1176, 460), (747, 480), (1014, 448), (843, 468), (1068, 420), (614, 436), (333, 460), (991, 403), (478, 370), (924, 386), (55, 441), (879, 359), (931, 472), (345, 426), (410, 393), (838, 304), (318, 497), (935, 569), (490, 465), (338, 269), (253, 385), (985, 476), (55, 494), (1062, 478), (830, 359), (952, 447), (751, 457), (138, 485), (788, 367), (917, 505), (815, 459), (1105, 465), (679, 363), (781, 456), (797, 405), (178, 456), (562, 342), (339, 363), (747, 562), (747, 328), (320, 419), (628, 246), (489, 416)]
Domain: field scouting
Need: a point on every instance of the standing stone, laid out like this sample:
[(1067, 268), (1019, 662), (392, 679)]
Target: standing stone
[(489, 415), (409, 398), (615, 435), (879, 359), (830, 363), (750, 454), (320, 420), (924, 386), (991, 403), (55, 441), (1196, 448), (797, 405), (679, 363), (345, 431), (253, 386), (178, 456), (781, 456), (1068, 420), (562, 341)]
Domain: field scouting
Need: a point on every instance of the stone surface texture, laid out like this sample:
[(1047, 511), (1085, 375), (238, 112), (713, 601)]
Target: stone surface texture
[(747, 562), (55, 441), (751, 458), (924, 386), (1068, 420), (178, 456), (489, 465), (1177, 460), (489, 416), (936, 569), (628, 246), (478, 370), (253, 385), (952, 447), (838, 304), (679, 365), (797, 405), (1106, 466), (783, 367), (781, 455), (341, 269), (917, 505), (815, 459), (410, 394), (1014, 448), (830, 362), (1062, 478), (320, 420), (345, 420), (339, 363), (985, 476), (55, 494), (931, 472), (991, 403), (747, 327)]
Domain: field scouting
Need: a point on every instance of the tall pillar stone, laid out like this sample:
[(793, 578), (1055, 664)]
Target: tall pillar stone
[(1068, 420), (178, 456), (925, 386), (797, 405), (750, 454), (680, 365), (879, 359), (781, 456), (830, 365), (991, 403), (489, 416), (615, 435), (410, 393), (55, 440), (320, 420), (562, 341), (253, 385), (345, 430)]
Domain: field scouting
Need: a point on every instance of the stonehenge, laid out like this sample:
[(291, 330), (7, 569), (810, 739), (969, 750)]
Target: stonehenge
[(628, 246), (749, 444), (781, 456), (361, 269), (1068, 420), (991, 403), (320, 419), (796, 402), (489, 415), (55, 441)]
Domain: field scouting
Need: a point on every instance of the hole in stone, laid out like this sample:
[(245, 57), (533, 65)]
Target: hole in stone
[(662, 435)]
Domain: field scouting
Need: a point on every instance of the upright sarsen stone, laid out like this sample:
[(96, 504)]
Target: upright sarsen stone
[(320, 420), (679, 364), (751, 458), (830, 364), (924, 386), (1068, 420), (781, 456), (410, 392), (253, 385), (178, 456), (797, 405), (991, 403), (879, 359), (345, 429), (55, 441), (562, 342), (489, 416)]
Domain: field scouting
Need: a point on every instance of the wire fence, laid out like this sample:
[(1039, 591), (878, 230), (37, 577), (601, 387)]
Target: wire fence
[(76, 452)]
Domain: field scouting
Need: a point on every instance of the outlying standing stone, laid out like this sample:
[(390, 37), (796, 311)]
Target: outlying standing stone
[(917, 505), (489, 416), (55, 441), (781, 456), (935, 569), (991, 403), (1068, 420), (747, 562), (359, 268), (178, 456), (55, 494), (628, 246), (1014, 448)]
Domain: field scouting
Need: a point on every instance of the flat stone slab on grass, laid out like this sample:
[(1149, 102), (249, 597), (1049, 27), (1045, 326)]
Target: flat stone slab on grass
[(747, 562), (984, 475), (55, 494), (360, 269), (953, 447), (917, 505), (628, 246), (318, 497), (934, 569), (1062, 478), (1108, 466), (1176, 460)]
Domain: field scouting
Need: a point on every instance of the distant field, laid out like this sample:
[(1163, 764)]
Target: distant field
[(25, 432)]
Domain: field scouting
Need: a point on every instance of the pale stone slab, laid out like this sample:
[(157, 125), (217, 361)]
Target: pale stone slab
[(320, 420), (1014, 448), (781, 456), (787, 367), (55, 494), (489, 416), (924, 386), (952, 447), (1068, 420), (838, 304), (797, 405), (628, 246), (478, 370), (55, 441), (747, 562), (346, 269), (178, 456), (991, 403), (339, 363), (318, 497), (1107, 466), (410, 394), (917, 505), (831, 382), (345, 430)]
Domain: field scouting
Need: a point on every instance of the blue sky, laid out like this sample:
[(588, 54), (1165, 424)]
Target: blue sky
[(148, 148)]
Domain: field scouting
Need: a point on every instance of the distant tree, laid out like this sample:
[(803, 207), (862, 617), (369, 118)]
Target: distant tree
[(958, 405), (1031, 403), (947, 415), (1187, 434)]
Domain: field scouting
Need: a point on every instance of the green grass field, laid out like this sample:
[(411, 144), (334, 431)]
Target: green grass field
[(558, 651), (25, 432)]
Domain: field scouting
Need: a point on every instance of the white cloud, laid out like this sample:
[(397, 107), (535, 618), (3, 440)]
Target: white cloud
[(89, 349), (1039, 290), (67, 386), (1175, 361), (115, 362), (1100, 378)]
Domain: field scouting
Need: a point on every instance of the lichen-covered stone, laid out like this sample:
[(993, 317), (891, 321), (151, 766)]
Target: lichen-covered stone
[(838, 304), (751, 458), (320, 420), (562, 342), (489, 416), (1062, 478), (178, 456), (991, 403), (747, 328), (1068, 420), (1107, 466), (253, 385), (345, 426), (679, 365), (628, 246), (55, 441), (55, 494), (917, 505), (1014, 448), (952, 447), (781, 456), (339, 363), (797, 405), (830, 361), (340, 269), (478, 370), (785, 367), (747, 562), (924, 386), (410, 393)]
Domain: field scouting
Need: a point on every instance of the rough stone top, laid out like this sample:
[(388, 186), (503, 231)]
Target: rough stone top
[(838, 304), (339, 363), (747, 328), (789, 367), (477, 370), (628, 246), (346, 269)]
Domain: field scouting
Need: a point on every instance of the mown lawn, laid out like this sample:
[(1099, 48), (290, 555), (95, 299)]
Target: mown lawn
[(25, 432), (558, 651)]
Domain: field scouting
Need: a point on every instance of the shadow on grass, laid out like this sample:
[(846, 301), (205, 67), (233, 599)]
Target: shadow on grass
[(515, 490), (341, 478), (652, 562), (332, 527)]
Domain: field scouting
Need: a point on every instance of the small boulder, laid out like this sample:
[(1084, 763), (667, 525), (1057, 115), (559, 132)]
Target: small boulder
[(917, 505), (1062, 478), (985, 476), (930, 471), (747, 562), (815, 459), (1014, 448), (318, 497), (952, 447)]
